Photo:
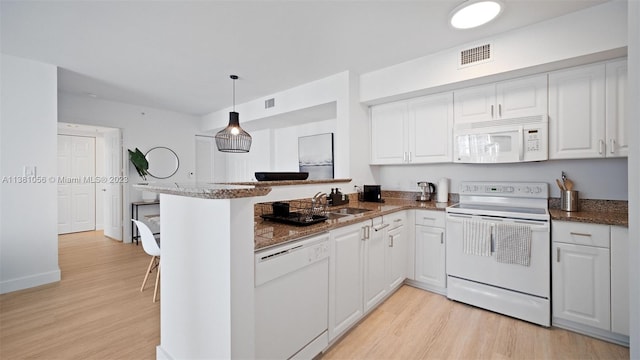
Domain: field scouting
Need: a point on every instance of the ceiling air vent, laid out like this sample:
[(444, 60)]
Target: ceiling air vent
[(476, 55)]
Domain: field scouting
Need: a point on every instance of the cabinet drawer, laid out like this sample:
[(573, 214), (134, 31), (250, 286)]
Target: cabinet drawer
[(430, 218), (396, 219), (580, 233)]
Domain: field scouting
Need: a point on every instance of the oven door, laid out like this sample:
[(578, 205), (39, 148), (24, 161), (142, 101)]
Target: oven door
[(533, 279)]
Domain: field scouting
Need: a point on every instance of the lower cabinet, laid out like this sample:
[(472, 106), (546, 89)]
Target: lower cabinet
[(430, 270), (367, 263), (346, 278), (590, 278)]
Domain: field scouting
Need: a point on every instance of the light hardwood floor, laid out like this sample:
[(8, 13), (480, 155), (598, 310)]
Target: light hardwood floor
[(97, 312)]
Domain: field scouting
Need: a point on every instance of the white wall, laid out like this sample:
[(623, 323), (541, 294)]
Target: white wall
[(142, 127), (29, 214), (594, 178), (634, 175), (583, 36)]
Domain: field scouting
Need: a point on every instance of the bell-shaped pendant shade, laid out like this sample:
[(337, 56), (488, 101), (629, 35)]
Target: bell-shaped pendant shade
[(232, 138)]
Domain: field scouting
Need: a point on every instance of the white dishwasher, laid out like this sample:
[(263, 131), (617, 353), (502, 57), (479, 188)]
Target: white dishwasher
[(291, 299)]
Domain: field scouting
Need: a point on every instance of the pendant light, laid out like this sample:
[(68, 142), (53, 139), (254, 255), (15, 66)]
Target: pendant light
[(232, 138)]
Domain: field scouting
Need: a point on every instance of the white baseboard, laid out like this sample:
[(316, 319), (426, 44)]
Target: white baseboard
[(30, 281), (591, 331)]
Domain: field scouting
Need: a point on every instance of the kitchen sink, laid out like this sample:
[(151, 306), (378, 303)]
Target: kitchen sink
[(332, 215), (349, 211)]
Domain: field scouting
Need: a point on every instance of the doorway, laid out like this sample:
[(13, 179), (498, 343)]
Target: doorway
[(90, 179)]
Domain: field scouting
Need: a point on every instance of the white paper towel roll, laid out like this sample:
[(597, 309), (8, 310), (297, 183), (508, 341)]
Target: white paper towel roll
[(443, 190)]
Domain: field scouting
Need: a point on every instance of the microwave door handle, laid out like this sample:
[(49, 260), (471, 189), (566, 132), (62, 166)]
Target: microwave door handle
[(521, 140)]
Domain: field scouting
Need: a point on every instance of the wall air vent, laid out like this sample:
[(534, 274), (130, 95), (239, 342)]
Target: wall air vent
[(476, 55), (269, 103)]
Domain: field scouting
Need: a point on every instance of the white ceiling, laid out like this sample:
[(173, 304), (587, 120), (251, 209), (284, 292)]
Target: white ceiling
[(178, 55)]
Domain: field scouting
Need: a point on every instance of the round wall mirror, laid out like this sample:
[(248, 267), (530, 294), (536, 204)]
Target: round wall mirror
[(163, 162)]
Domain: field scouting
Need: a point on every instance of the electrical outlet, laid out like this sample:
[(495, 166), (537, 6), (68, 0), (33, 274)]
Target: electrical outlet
[(29, 171)]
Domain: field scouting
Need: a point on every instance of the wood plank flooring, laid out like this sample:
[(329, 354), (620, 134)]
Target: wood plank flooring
[(415, 324), (97, 312)]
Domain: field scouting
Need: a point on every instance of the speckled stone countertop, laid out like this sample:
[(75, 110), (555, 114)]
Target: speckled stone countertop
[(269, 233), (205, 191), (606, 212)]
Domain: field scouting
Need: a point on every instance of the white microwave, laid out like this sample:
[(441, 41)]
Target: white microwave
[(510, 143)]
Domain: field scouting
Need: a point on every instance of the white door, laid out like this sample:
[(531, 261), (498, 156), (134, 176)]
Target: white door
[(205, 150), (620, 280), (522, 97), (396, 242), (76, 185), (375, 279), (581, 284), (474, 104), (577, 113), (113, 189), (346, 277), (617, 139), (388, 133), (431, 128), (64, 187), (430, 256)]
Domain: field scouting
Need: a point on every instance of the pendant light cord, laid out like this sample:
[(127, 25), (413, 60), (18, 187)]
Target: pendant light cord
[(234, 78)]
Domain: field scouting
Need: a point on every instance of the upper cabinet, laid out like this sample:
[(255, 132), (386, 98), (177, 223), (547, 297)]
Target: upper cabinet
[(586, 111), (518, 98), (415, 131)]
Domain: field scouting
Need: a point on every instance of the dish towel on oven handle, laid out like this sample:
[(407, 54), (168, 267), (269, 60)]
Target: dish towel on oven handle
[(476, 237), (513, 244)]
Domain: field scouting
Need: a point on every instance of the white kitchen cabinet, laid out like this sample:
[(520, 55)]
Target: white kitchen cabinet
[(415, 131), (346, 276), (518, 98), (397, 249), (375, 266), (430, 270), (586, 111), (581, 275), (620, 280), (617, 144)]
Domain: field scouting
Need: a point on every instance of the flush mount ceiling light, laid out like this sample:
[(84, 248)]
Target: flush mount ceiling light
[(232, 138), (474, 13)]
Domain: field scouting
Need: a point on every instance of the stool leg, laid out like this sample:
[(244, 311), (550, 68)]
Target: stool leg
[(155, 291), (147, 274)]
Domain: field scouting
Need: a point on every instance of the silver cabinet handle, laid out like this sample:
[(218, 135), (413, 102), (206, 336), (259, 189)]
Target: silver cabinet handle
[(380, 227), (441, 238), (390, 241), (492, 111), (612, 146), (409, 157), (499, 110), (557, 254), (579, 234), (428, 218), (601, 146), (397, 220)]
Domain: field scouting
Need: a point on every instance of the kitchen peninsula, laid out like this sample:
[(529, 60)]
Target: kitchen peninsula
[(207, 303)]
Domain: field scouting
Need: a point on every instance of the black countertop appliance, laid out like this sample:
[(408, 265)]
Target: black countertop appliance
[(372, 193)]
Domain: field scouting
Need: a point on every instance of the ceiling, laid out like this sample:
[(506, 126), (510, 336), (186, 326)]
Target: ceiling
[(178, 55)]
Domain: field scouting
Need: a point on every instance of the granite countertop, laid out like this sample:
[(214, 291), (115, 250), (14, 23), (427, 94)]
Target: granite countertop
[(205, 190), (269, 233), (605, 212), (593, 217)]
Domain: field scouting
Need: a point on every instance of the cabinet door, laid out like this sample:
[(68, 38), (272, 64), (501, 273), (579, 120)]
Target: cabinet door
[(398, 250), (345, 278), (375, 266), (617, 143), (430, 256), (577, 113), (431, 129), (388, 133), (474, 104), (620, 280), (522, 97), (581, 291)]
